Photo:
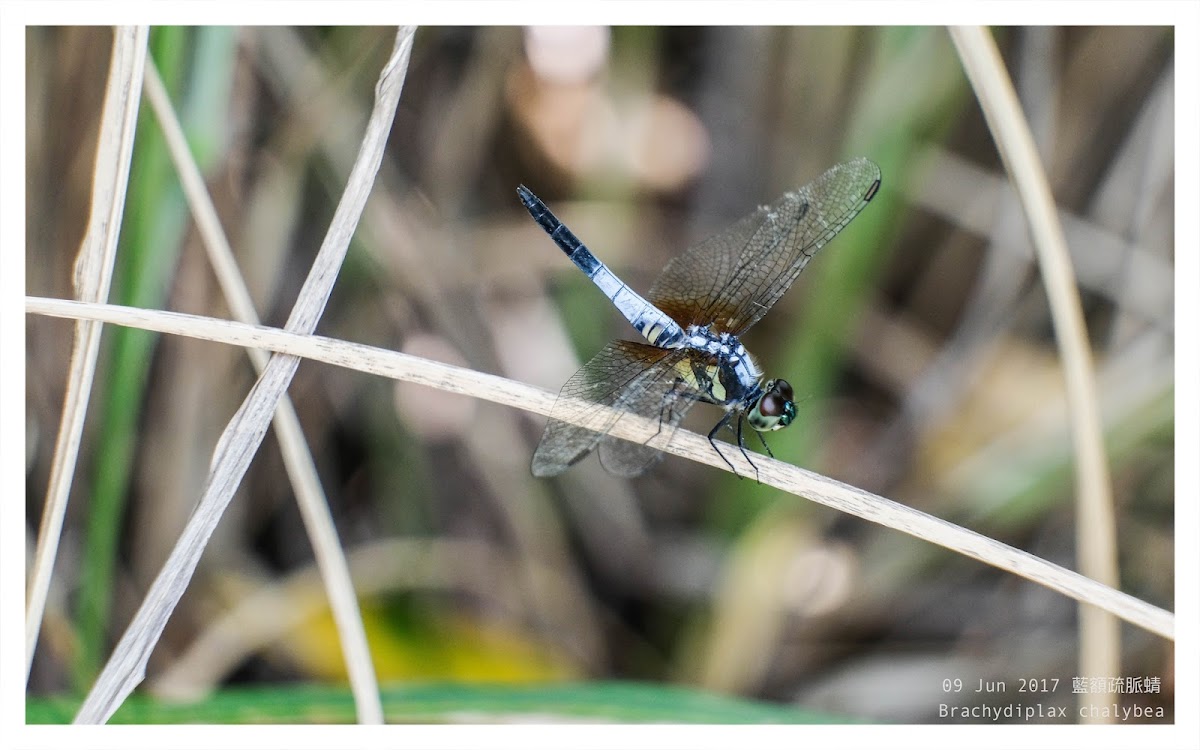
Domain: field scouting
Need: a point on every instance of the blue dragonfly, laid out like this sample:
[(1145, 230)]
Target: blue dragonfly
[(692, 323)]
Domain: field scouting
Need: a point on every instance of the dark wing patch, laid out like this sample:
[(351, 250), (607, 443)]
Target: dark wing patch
[(660, 396), (624, 375)]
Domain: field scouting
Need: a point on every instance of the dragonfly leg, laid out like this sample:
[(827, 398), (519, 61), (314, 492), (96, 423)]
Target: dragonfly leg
[(742, 448), (763, 440), (712, 441), (666, 407)]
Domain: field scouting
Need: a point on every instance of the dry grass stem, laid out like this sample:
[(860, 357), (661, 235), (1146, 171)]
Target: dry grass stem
[(244, 433), (298, 461), (93, 275), (692, 446), (1099, 648)]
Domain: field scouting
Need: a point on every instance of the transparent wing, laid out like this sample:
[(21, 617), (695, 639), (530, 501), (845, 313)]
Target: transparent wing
[(659, 396), (626, 376), (731, 279)]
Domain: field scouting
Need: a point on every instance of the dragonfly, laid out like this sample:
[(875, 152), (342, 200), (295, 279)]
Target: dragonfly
[(692, 322)]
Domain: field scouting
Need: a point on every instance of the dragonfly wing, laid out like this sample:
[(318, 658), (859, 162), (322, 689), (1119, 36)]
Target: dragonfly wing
[(730, 280), (613, 378), (660, 396)]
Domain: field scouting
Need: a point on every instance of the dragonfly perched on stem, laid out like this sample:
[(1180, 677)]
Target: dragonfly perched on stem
[(692, 321)]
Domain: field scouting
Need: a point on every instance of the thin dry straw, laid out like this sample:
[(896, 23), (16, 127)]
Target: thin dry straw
[(689, 445), (93, 276), (238, 444), (1099, 636), (310, 496)]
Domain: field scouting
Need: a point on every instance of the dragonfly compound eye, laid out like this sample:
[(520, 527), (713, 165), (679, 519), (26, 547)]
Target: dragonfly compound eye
[(773, 410), (784, 389), (771, 405)]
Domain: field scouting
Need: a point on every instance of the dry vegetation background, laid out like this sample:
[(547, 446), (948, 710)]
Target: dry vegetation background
[(918, 341)]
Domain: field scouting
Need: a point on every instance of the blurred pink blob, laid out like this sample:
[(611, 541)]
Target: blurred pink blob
[(665, 144), (587, 128), (567, 54)]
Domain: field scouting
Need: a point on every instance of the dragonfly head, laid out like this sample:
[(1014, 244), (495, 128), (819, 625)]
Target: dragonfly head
[(774, 409)]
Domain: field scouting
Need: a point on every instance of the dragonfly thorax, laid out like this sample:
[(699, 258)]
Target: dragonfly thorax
[(731, 377), (728, 376)]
